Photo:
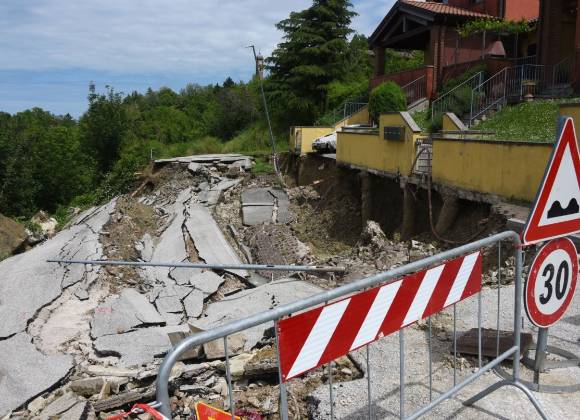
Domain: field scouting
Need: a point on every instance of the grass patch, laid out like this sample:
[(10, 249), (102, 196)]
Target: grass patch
[(529, 121), (261, 166), (423, 119)]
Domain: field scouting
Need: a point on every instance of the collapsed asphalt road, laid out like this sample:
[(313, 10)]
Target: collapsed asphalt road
[(60, 322)]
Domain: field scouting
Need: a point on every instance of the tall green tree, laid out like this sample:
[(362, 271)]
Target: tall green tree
[(354, 83), (311, 55), (103, 127)]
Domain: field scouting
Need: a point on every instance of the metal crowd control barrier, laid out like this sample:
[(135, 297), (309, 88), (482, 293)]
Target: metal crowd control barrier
[(385, 278)]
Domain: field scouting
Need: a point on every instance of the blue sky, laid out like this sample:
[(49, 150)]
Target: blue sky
[(51, 49)]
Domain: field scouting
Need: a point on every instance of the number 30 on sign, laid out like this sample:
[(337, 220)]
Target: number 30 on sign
[(551, 282)]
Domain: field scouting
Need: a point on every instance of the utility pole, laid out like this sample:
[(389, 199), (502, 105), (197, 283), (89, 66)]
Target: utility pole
[(259, 63)]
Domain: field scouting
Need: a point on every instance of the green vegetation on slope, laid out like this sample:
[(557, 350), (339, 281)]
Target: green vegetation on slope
[(529, 121), (51, 162)]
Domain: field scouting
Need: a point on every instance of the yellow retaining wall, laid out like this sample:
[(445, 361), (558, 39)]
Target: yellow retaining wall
[(370, 150), (452, 123), (510, 169), (305, 135), (572, 110)]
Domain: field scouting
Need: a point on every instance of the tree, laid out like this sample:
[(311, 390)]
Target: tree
[(103, 127), (311, 55), (358, 68)]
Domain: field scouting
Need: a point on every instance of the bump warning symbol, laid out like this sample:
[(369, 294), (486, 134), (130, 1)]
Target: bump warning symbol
[(556, 210)]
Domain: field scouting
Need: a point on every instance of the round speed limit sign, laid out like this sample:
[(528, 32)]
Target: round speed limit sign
[(551, 282)]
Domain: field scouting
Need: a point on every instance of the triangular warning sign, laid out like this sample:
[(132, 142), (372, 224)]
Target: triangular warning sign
[(556, 210)]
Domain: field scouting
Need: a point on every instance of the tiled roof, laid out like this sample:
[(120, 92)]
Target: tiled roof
[(443, 9)]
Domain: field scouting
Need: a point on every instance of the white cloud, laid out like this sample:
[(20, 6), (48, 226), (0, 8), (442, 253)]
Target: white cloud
[(150, 36), (51, 49)]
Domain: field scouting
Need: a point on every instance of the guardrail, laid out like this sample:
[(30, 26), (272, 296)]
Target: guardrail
[(382, 281)]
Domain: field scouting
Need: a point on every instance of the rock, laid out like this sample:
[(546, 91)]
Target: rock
[(373, 235), (36, 405), (47, 224), (264, 362), (177, 336), (60, 405), (147, 247), (12, 236), (194, 167), (123, 313), (252, 301), (235, 170), (138, 347), (221, 387), (87, 386), (238, 364), (193, 303), (215, 349), (196, 389), (168, 302), (81, 293), (34, 374), (97, 370), (210, 197), (206, 281), (79, 411)]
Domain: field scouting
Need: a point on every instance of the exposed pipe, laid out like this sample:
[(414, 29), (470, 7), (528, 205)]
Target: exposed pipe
[(257, 267)]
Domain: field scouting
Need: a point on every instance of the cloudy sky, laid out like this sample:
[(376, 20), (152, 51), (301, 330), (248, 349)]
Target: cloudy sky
[(51, 49)]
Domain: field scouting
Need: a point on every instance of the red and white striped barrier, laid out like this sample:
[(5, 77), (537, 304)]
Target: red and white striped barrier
[(318, 336)]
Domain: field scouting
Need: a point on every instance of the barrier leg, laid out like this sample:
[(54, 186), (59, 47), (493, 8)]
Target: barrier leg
[(369, 382), (283, 393), (229, 378), (517, 346), (402, 374)]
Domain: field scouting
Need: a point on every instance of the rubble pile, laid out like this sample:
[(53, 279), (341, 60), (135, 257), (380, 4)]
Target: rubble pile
[(81, 341)]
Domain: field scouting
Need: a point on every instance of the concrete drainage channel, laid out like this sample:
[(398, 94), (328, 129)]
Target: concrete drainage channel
[(86, 341)]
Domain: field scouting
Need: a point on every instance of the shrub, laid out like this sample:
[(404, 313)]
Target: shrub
[(387, 97), (456, 81), (262, 166)]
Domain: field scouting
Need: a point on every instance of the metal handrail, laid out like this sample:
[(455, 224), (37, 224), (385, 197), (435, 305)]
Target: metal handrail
[(414, 81), (474, 113), (478, 75), (352, 105), (162, 383), (568, 61), (411, 89)]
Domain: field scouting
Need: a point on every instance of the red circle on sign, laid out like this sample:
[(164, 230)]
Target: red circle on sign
[(550, 265)]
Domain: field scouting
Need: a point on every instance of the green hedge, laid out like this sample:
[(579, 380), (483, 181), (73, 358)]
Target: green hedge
[(387, 97)]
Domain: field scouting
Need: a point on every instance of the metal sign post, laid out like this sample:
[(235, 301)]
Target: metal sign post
[(548, 293), (553, 275)]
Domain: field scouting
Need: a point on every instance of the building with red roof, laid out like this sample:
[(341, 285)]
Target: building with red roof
[(431, 26)]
